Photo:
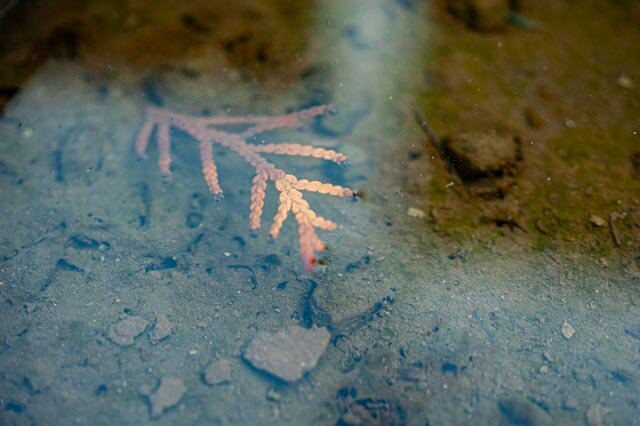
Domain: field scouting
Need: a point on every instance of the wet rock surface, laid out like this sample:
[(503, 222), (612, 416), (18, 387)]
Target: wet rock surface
[(168, 394), (218, 372), (520, 411), (161, 329), (287, 354), (485, 162), (124, 332)]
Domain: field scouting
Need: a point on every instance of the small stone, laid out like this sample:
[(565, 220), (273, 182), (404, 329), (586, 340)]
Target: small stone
[(480, 154), (161, 329), (569, 123), (273, 395), (625, 82), (519, 410), (547, 356), (415, 212), (30, 307), (124, 332), (168, 394), (218, 372), (567, 330), (287, 354), (595, 415), (570, 404), (604, 263), (544, 369), (597, 220)]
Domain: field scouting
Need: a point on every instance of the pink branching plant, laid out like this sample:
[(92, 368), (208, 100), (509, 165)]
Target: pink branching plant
[(206, 131)]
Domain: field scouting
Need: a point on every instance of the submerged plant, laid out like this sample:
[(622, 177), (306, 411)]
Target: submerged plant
[(204, 130)]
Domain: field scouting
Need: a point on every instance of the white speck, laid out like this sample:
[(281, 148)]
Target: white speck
[(226, 253)]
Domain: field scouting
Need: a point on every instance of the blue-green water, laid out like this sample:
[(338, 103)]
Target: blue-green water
[(530, 320)]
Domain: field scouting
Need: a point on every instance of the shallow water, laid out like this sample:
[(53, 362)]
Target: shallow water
[(451, 297)]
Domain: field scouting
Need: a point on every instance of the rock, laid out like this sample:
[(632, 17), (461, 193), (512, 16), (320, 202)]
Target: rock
[(570, 404), (124, 332), (597, 220), (479, 154), (595, 415), (485, 162), (567, 330), (482, 15), (289, 353), (521, 411), (415, 212), (161, 329), (273, 395), (168, 394), (218, 372), (625, 82)]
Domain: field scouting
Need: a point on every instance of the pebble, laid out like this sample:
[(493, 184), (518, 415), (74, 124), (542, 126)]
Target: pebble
[(625, 82), (273, 395), (124, 332), (415, 212), (218, 372), (161, 329), (567, 330), (287, 354), (570, 404), (521, 411), (168, 394), (597, 220), (595, 415)]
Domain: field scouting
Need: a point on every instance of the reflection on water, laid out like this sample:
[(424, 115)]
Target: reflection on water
[(487, 274)]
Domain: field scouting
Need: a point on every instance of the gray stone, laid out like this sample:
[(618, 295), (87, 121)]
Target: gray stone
[(168, 394), (218, 372), (124, 332), (161, 329), (289, 353)]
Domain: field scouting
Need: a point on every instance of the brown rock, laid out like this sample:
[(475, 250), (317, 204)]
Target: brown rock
[(477, 155)]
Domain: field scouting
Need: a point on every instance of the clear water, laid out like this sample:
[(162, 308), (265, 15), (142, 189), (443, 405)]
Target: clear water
[(444, 306)]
